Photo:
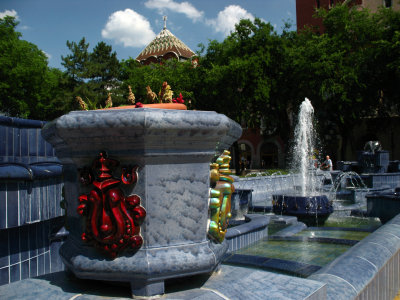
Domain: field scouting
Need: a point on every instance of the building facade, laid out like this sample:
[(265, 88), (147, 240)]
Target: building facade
[(257, 151), (305, 9)]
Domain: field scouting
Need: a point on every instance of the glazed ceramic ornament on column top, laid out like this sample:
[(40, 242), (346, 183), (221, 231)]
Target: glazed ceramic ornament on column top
[(166, 209)]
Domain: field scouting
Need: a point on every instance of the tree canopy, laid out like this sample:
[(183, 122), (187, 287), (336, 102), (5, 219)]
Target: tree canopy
[(255, 76), (23, 68), (351, 70), (92, 75)]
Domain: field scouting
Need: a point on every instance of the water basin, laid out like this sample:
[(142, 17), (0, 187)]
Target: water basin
[(307, 251), (313, 253), (334, 234)]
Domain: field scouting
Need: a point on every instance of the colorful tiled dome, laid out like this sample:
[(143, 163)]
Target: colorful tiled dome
[(165, 45)]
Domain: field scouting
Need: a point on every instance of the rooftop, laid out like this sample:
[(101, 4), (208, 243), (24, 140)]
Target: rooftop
[(165, 42)]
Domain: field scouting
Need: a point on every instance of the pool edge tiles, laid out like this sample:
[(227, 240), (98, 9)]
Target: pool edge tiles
[(368, 270), (235, 282), (230, 282)]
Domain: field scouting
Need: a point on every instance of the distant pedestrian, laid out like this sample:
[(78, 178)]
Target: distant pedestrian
[(327, 164)]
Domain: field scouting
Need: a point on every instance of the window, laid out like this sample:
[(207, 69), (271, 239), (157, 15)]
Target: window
[(331, 3), (269, 156), (318, 4), (387, 3)]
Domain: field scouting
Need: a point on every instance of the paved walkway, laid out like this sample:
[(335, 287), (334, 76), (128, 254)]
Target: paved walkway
[(230, 282)]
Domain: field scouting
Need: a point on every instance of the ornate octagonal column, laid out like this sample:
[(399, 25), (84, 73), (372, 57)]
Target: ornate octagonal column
[(137, 191)]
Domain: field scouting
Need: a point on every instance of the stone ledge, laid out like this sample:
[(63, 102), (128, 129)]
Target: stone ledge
[(35, 171), (228, 283), (367, 269), (253, 223)]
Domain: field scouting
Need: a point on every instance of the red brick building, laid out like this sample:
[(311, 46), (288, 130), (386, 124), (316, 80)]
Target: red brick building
[(305, 9)]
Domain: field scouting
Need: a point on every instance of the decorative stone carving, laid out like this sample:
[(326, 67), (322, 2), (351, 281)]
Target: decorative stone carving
[(174, 149), (220, 197), (112, 220)]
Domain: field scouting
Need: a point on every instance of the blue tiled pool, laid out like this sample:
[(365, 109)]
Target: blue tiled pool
[(305, 252)]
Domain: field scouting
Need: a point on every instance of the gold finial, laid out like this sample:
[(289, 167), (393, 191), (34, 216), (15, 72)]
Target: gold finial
[(82, 103), (131, 96), (151, 95), (165, 94), (109, 101), (165, 22)]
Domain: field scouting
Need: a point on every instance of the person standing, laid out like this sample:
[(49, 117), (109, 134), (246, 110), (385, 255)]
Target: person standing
[(327, 164)]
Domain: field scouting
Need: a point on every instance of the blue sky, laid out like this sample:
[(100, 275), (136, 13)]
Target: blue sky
[(129, 25)]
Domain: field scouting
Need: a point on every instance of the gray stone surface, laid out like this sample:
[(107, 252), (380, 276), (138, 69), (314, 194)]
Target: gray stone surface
[(228, 283), (356, 277), (337, 287), (175, 204), (369, 270), (245, 283), (154, 263), (387, 237), (143, 131), (173, 150)]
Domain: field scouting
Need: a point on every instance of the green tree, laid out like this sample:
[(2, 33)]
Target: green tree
[(56, 87), (384, 58), (92, 75), (103, 64), (23, 68), (181, 76), (349, 72), (242, 75), (103, 72), (76, 63), (350, 66)]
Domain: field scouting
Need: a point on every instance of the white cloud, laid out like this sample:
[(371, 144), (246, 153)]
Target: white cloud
[(11, 13), (128, 28), (184, 8), (227, 18), (47, 55)]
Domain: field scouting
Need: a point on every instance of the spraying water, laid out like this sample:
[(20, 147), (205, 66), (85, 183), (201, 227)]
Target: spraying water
[(304, 147), (306, 203)]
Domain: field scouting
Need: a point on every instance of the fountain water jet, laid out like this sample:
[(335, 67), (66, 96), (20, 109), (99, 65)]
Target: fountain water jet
[(305, 203), (304, 147)]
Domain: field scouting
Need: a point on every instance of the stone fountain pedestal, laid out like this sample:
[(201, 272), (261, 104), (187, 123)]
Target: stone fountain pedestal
[(172, 150)]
